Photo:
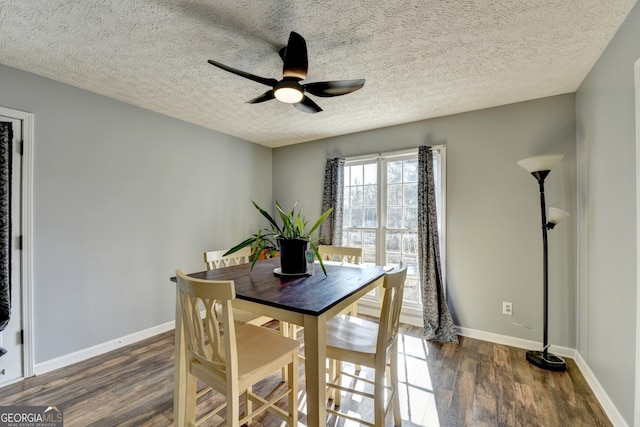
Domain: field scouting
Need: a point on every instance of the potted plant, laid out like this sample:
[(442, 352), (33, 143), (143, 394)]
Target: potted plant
[(292, 237)]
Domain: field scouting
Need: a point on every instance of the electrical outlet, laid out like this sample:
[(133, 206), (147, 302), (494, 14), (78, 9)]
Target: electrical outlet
[(507, 308)]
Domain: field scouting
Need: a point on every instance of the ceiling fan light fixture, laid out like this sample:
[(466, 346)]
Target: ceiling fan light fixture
[(288, 91)]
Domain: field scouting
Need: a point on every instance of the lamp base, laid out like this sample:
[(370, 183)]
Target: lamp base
[(550, 362)]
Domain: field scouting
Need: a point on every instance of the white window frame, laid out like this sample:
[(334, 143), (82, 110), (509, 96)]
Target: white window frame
[(370, 304)]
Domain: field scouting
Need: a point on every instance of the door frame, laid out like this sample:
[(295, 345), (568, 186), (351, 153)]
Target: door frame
[(27, 235), (636, 72)]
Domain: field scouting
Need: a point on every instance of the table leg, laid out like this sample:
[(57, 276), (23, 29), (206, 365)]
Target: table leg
[(315, 340)]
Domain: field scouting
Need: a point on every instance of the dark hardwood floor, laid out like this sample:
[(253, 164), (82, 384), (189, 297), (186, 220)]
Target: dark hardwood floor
[(475, 383)]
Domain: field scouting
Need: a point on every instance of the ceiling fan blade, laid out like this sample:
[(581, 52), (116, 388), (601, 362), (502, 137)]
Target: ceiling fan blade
[(334, 88), (307, 106), (267, 96), (263, 80), (296, 63)]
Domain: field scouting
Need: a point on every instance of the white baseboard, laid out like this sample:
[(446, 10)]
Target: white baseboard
[(87, 353), (612, 412), (514, 342), (607, 405)]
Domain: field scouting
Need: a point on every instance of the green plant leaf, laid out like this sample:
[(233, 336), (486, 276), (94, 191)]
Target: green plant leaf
[(318, 257), (239, 246), (320, 220), (266, 214)]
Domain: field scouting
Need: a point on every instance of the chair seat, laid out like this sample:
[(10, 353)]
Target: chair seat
[(258, 345), (352, 339), (260, 352)]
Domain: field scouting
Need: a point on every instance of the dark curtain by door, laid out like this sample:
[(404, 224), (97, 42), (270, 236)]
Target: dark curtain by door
[(6, 135), (438, 323), (331, 229)]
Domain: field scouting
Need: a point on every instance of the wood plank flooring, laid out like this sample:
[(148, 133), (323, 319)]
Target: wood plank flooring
[(475, 383)]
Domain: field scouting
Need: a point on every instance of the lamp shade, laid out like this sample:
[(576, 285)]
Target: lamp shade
[(557, 215), (540, 163), (288, 90), (288, 95)]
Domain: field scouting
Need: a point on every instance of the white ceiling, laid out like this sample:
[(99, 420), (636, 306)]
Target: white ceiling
[(420, 59)]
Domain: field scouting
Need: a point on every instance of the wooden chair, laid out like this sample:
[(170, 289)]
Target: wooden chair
[(230, 358), (217, 259), (367, 343)]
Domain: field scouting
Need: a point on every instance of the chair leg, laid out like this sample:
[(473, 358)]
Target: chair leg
[(293, 395), (379, 398), (397, 416), (248, 404), (337, 399), (284, 331), (233, 406), (190, 407)]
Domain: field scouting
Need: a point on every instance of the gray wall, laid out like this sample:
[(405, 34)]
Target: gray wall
[(606, 144), (494, 243), (123, 197)]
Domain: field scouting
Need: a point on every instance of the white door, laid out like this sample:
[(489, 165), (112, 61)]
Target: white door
[(12, 363)]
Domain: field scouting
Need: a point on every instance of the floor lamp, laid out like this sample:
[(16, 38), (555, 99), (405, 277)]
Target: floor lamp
[(539, 167)]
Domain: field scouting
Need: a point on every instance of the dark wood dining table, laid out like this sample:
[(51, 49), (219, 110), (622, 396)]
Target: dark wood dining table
[(307, 301)]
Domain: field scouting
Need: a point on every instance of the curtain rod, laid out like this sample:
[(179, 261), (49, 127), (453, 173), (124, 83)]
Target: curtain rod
[(390, 154)]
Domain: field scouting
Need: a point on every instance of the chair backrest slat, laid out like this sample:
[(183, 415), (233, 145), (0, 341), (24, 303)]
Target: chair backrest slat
[(340, 254), (217, 259)]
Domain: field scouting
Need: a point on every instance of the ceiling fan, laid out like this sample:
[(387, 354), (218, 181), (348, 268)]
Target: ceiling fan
[(290, 89)]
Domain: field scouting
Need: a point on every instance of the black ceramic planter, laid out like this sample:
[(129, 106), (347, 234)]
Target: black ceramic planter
[(292, 256)]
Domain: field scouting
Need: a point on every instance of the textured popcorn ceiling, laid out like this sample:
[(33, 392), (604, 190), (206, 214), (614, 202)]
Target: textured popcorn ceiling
[(420, 59)]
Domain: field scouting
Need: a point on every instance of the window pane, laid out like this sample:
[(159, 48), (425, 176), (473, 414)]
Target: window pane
[(410, 219), (410, 172), (394, 217), (346, 195), (356, 217), (369, 246), (356, 175), (355, 238), (370, 217), (410, 196), (347, 175), (371, 195), (370, 174), (394, 195), (394, 172), (369, 240), (356, 196), (410, 244), (393, 242), (393, 258)]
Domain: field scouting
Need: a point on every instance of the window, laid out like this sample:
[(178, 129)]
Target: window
[(381, 212)]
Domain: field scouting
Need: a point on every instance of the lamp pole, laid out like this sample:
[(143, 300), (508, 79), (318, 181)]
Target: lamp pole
[(540, 167), (535, 357)]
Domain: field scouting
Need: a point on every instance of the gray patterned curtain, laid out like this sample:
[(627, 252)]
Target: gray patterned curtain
[(331, 229), (6, 135), (438, 324)]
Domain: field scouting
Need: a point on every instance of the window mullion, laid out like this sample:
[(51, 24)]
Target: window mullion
[(381, 254)]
